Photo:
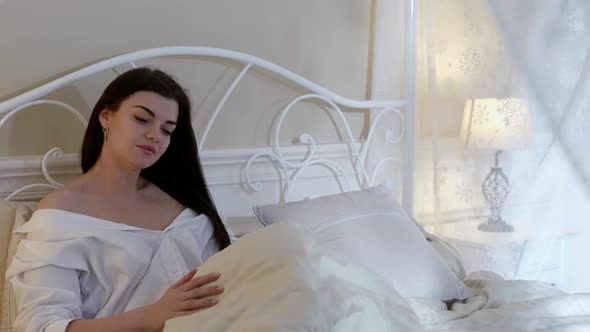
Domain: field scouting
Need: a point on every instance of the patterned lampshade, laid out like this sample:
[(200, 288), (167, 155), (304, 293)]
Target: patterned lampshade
[(496, 124)]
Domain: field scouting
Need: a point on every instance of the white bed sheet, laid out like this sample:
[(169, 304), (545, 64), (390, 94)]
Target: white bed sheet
[(507, 305)]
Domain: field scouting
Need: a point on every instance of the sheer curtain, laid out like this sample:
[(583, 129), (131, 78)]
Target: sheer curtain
[(507, 76)]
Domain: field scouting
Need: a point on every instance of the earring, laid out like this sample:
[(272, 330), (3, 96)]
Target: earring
[(105, 131)]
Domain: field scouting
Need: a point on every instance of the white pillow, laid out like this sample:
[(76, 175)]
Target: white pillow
[(7, 212), (371, 229), (448, 253), (8, 309)]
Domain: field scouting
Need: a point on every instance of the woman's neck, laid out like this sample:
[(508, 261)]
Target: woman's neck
[(112, 179)]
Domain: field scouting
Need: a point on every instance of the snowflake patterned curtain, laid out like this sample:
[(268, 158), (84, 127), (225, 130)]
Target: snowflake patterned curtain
[(503, 126)]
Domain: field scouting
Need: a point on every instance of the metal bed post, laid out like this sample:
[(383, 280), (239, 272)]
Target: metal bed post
[(409, 114)]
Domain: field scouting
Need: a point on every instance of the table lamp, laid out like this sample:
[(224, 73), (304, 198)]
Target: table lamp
[(495, 125)]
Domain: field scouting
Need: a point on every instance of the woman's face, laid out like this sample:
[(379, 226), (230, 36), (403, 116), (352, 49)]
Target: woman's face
[(139, 131)]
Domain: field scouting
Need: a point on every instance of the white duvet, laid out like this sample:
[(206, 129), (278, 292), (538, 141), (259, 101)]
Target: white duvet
[(280, 279)]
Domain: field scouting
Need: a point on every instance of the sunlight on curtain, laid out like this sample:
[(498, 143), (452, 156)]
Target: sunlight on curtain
[(506, 76)]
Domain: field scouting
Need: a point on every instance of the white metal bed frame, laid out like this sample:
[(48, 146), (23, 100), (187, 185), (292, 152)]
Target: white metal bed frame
[(291, 170)]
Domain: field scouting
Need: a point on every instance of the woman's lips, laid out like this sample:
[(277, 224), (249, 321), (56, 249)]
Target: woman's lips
[(150, 151)]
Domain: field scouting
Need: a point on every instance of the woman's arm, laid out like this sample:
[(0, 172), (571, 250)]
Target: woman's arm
[(184, 297), (131, 321), (49, 300)]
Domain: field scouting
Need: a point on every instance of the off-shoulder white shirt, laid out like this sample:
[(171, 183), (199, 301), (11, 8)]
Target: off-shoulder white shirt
[(73, 266)]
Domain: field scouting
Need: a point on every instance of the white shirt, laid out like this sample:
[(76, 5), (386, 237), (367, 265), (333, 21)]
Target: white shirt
[(73, 266)]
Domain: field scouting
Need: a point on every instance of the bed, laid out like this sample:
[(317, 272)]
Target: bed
[(324, 239)]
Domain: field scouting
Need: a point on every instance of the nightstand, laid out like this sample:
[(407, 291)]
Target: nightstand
[(523, 254)]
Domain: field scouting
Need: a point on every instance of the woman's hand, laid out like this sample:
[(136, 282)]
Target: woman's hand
[(185, 297)]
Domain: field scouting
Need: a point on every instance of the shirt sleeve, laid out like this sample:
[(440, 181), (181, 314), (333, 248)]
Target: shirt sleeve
[(46, 287)]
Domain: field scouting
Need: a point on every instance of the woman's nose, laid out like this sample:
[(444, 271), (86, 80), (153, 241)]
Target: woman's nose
[(153, 136)]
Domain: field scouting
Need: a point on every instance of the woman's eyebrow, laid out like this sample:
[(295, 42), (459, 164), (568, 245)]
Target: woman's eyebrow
[(153, 114)]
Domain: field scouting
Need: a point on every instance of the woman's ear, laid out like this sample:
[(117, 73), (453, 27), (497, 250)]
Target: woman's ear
[(104, 117)]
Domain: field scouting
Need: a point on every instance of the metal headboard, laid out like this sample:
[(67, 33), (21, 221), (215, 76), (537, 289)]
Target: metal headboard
[(291, 170)]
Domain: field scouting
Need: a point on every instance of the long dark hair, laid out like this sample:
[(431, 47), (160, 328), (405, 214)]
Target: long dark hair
[(178, 172)]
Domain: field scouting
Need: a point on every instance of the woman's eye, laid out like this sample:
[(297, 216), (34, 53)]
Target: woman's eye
[(142, 120), (167, 132)]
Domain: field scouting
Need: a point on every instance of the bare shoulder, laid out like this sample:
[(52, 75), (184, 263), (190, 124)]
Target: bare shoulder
[(57, 199), (66, 198)]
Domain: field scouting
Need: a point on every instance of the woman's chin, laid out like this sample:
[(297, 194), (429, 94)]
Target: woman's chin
[(140, 164)]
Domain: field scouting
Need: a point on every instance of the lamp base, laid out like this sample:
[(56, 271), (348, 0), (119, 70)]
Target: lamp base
[(496, 226)]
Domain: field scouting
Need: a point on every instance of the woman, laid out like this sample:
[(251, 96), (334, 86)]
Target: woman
[(107, 252)]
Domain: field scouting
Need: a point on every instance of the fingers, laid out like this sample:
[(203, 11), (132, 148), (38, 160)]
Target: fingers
[(199, 281), (187, 277), (193, 305), (201, 292)]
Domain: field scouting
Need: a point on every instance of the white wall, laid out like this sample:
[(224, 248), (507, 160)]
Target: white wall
[(324, 41)]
